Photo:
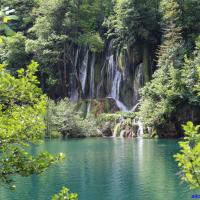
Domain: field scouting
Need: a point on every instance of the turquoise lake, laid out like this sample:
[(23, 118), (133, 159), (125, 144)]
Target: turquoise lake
[(107, 169)]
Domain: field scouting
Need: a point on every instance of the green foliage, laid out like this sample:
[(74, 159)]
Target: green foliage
[(116, 120), (94, 41), (62, 117), (5, 18), (76, 20), (22, 108), (22, 11), (168, 89), (175, 81), (115, 117), (59, 30), (197, 86), (189, 20), (12, 51), (105, 117), (65, 194), (171, 50), (189, 157), (134, 22)]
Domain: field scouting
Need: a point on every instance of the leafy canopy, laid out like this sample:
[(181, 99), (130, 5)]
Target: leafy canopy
[(65, 194), (22, 108), (189, 157)]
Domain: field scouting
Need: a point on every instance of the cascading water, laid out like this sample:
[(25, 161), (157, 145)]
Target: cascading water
[(92, 77), (111, 67), (138, 82), (116, 85), (122, 134), (112, 74), (109, 78), (100, 85), (74, 91), (115, 91), (73, 86), (134, 108), (140, 131), (83, 71)]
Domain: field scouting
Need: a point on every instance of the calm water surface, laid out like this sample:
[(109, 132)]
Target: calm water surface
[(107, 169)]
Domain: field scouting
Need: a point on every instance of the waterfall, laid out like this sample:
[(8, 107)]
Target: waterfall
[(122, 134), (111, 67), (100, 85), (76, 57), (92, 77), (121, 106), (116, 85), (83, 71), (112, 74), (116, 130), (73, 93), (115, 91), (140, 131), (140, 75), (134, 108)]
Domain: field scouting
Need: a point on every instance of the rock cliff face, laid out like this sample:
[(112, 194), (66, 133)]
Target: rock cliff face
[(184, 113)]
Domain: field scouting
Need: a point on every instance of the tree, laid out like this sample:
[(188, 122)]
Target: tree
[(5, 18), (169, 53), (13, 53), (174, 83), (189, 21), (189, 156), (57, 33), (22, 108), (158, 95), (23, 10)]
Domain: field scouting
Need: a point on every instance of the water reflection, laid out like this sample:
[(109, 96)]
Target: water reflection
[(107, 169)]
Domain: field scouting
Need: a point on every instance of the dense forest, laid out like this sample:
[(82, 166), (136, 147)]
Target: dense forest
[(93, 68), (108, 50)]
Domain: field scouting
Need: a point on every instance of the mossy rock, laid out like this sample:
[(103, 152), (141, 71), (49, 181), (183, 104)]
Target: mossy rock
[(106, 105), (97, 106)]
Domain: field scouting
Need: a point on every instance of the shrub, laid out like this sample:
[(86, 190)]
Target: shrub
[(62, 117)]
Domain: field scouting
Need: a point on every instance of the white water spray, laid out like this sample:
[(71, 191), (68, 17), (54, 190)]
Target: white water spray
[(83, 71)]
